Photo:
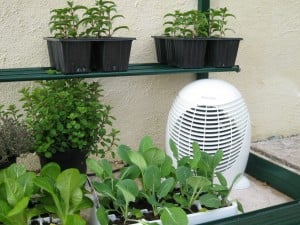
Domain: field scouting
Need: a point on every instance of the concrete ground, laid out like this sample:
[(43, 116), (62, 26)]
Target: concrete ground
[(284, 151)]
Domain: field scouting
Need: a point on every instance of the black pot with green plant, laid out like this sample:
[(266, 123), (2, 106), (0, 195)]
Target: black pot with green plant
[(221, 51), (108, 53), (68, 119), (15, 137), (67, 52), (93, 49), (184, 43)]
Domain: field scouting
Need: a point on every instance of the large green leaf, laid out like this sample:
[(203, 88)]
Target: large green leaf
[(174, 216), (145, 143), (123, 151), (94, 166), (165, 187), (67, 182), (19, 207), (129, 189), (154, 156), (104, 189), (76, 197), (198, 182), (51, 170), (14, 191), (137, 159), (174, 149), (151, 178), (183, 173), (26, 181), (74, 220), (102, 216), (45, 183), (130, 172), (210, 200), (166, 167)]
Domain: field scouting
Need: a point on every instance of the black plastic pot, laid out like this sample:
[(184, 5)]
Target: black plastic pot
[(160, 48), (170, 51), (111, 54), (72, 158), (222, 52), (9, 161), (190, 52), (70, 55)]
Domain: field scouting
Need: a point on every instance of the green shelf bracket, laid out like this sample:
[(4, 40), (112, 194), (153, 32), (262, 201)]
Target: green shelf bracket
[(203, 5)]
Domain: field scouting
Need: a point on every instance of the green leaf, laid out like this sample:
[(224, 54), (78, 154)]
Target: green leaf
[(130, 172), (145, 143), (123, 152), (166, 167), (183, 173), (14, 191), (151, 178), (221, 179), (129, 189), (165, 187), (19, 207), (198, 182), (174, 149), (75, 220), (102, 216), (51, 170), (210, 200), (137, 159), (174, 216), (93, 165), (217, 158), (67, 182), (240, 206), (154, 156), (104, 189)]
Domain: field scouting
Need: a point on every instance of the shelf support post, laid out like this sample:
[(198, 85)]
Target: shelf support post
[(203, 5)]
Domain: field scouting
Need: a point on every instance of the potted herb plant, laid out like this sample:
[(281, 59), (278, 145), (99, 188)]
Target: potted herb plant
[(94, 49), (15, 137), (185, 39), (221, 51), (151, 190), (108, 53), (69, 121), (67, 52)]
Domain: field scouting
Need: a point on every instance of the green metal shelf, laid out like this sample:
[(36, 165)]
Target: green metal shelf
[(279, 178), (29, 74)]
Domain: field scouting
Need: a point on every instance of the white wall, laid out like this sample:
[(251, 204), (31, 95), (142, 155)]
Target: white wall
[(269, 57)]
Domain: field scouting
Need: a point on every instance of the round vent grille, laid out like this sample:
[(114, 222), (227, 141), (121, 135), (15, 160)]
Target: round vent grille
[(213, 127), (213, 114)]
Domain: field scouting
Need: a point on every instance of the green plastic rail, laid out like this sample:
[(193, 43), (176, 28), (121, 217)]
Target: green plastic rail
[(28, 74), (279, 178)]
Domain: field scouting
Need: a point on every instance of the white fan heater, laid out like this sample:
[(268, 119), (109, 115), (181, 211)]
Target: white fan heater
[(212, 113)]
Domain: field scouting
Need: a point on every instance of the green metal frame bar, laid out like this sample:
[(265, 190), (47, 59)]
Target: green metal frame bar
[(274, 175), (279, 178), (28, 74), (203, 5)]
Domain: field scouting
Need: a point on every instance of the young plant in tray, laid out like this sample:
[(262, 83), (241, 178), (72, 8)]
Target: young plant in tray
[(191, 23), (64, 22), (221, 51), (16, 190), (63, 193), (150, 179), (184, 43), (218, 22), (99, 19)]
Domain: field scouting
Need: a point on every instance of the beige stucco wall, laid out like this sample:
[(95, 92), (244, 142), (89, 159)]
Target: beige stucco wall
[(269, 57)]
